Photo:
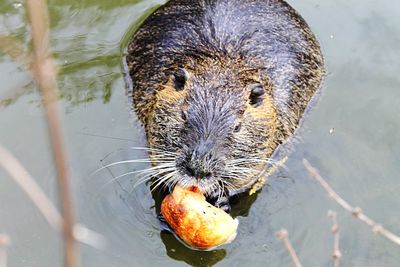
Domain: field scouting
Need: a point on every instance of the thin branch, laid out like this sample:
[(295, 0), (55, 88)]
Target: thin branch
[(355, 211), (265, 173), (25, 181), (284, 236), (4, 243), (45, 75), (31, 188), (336, 255)]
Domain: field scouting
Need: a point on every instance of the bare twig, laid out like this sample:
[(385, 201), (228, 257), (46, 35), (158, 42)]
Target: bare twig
[(355, 211), (284, 236), (265, 173), (336, 255), (4, 243), (45, 75), (25, 181), (31, 188)]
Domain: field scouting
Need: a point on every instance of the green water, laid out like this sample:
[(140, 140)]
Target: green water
[(361, 158)]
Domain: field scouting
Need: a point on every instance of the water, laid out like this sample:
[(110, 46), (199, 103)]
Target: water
[(360, 101)]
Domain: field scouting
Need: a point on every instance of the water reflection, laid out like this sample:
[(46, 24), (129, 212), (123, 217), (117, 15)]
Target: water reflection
[(86, 42), (177, 251)]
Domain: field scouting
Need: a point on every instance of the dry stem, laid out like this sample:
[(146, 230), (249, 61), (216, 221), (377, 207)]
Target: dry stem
[(31, 188), (336, 255), (4, 243), (25, 181), (263, 176), (284, 236), (355, 211), (44, 72)]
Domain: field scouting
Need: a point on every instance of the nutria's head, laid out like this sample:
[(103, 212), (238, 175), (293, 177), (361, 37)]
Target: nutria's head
[(212, 126)]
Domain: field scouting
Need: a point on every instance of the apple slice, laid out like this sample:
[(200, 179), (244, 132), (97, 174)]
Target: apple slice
[(197, 222)]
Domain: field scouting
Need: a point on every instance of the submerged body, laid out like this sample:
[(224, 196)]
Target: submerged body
[(219, 85)]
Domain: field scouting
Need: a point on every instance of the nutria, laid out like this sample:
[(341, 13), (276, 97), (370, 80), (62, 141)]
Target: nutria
[(218, 85)]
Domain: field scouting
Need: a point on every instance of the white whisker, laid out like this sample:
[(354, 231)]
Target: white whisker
[(152, 175), (129, 161), (162, 180), (152, 171)]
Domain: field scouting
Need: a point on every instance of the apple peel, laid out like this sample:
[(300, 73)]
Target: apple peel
[(198, 223)]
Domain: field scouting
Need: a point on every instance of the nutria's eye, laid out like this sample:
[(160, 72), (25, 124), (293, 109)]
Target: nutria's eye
[(256, 95), (180, 78), (183, 115), (237, 128)]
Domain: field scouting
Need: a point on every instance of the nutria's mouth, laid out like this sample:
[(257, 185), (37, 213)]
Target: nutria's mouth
[(168, 174), (212, 186)]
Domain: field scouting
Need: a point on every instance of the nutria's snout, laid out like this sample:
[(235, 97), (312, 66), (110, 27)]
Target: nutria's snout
[(197, 168), (205, 138), (202, 162)]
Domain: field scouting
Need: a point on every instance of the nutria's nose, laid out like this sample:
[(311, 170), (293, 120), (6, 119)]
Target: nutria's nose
[(197, 171), (198, 161)]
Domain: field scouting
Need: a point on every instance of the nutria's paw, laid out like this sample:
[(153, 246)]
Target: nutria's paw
[(220, 201), (223, 204), (164, 224)]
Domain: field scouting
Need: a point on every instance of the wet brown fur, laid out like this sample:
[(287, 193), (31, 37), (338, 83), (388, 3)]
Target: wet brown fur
[(282, 56)]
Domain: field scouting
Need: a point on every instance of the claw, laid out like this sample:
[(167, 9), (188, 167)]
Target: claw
[(221, 202), (163, 224)]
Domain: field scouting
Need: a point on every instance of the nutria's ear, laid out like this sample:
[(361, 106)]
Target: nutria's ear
[(256, 94), (180, 78)]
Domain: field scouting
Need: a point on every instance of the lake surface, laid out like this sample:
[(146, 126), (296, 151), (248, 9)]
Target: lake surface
[(360, 156)]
